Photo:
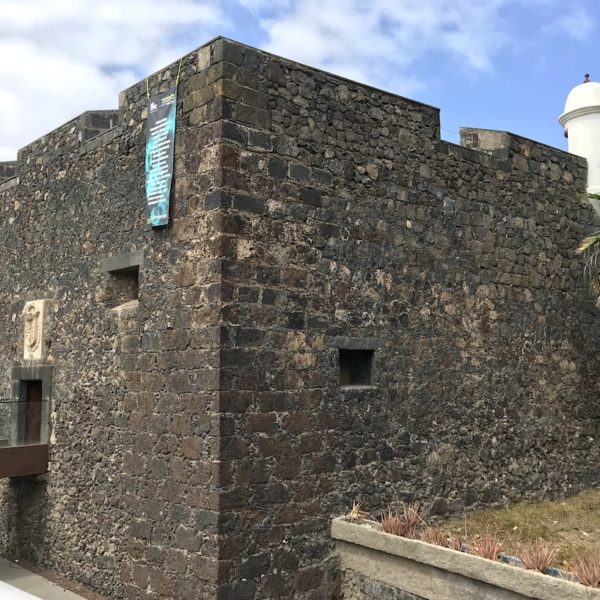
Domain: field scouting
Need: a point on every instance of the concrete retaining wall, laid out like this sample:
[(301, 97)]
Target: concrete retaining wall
[(403, 569)]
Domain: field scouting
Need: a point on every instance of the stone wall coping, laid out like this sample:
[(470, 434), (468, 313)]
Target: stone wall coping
[(565, 154), (8, 184), (105, 136), (212, 44), (519, 581), (101, 139), (472, 155), (8, 169), (313, 69)]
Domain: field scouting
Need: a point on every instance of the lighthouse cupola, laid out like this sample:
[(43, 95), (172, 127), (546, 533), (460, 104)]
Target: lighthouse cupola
[(581, 123)]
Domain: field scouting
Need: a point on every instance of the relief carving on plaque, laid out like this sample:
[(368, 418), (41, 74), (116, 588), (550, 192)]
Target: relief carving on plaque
[(34, 315)]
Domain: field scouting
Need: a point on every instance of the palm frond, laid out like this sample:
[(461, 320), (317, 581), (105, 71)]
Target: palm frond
[(591, 241), (590, 246)]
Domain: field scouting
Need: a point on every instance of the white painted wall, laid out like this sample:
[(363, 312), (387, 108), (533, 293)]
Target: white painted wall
[(584, 140), (581, 121)]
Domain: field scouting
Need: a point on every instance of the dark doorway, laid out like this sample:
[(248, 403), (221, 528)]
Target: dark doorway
[(33, 411)]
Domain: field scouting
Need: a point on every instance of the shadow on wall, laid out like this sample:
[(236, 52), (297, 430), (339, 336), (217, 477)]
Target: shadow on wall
[(25, 524)]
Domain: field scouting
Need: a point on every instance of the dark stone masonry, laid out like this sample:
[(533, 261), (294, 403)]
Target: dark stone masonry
[(343, 307)]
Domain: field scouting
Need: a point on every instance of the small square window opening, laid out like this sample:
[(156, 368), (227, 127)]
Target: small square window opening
[(356, 367), (123, 279), (123, 286)]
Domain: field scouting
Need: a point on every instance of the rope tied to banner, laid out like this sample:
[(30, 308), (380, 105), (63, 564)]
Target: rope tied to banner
[(176, 79), (178, 73)]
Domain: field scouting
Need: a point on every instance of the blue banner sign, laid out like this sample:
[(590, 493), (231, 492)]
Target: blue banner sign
[(160, 148)]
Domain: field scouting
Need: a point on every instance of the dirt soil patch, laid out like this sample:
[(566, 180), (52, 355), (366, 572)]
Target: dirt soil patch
[(572, 525)]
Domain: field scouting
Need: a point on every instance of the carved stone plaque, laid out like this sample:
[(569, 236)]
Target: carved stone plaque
[(35, 342)]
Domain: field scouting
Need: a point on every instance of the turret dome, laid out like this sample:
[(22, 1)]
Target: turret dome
[(581, 123), (582, 97)]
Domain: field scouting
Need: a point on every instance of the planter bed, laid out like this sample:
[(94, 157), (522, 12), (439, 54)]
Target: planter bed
[(416, 569)]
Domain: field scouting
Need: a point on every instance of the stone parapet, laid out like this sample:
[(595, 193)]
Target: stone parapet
[(527, 156), (8, 170), (416, 570)]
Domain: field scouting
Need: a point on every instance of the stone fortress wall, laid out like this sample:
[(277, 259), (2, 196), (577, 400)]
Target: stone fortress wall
[(130, 502), (201, 437)]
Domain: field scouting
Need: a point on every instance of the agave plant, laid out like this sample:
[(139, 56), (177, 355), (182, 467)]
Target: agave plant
[(455, 543), (587, 569), (357, 513), (412, 518), (392, 523), (404, 523), (433, 535), (487, 547), (537, 556)]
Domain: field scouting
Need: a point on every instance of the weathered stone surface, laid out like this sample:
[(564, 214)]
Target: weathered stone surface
[(457, 263), (207, 426), (359, 587), (132, 476), (371, 558), (8, 170)]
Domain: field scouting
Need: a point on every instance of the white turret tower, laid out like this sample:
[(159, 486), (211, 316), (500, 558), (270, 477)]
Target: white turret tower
[(581, 122)]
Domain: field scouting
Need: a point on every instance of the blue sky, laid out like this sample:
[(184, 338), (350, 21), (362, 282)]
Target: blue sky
[(498, 64)]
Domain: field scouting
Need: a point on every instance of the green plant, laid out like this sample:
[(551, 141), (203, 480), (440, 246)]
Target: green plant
[(537, 556), (587, 569)]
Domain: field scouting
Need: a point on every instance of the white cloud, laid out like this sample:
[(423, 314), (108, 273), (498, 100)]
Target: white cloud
[(382, 41), (64, 57), (575, 23), (257, 6), (378, 41)]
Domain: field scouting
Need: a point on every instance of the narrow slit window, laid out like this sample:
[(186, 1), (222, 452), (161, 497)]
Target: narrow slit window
[(356, 367)]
